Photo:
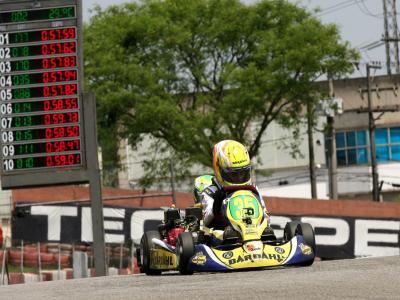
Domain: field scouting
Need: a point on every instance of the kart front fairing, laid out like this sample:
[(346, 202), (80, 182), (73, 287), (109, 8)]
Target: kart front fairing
[(253, 254)]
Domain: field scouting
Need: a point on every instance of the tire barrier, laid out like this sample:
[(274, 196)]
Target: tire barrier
[(53, 261)]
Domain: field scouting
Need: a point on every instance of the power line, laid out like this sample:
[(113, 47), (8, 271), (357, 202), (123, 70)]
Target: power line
[(367, 11), (337, 7)]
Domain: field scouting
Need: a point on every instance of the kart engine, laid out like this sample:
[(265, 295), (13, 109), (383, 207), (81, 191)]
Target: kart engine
[(173, 235)]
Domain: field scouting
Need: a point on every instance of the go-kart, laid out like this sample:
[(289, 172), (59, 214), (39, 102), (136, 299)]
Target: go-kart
[(184, 244)]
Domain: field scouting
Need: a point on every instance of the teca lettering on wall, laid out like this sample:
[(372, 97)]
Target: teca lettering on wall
[(116, 225), (120, 225), (54, 214)]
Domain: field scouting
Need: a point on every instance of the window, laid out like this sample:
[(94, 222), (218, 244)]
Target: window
[(352, 147), (395, 143)]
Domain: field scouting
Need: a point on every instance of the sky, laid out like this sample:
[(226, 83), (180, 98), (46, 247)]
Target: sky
[(360, 21)]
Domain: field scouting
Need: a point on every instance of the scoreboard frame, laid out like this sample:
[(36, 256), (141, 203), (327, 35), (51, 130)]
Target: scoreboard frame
[(48, 175)]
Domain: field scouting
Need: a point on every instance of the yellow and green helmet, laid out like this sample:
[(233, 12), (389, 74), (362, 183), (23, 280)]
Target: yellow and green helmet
[(200, 184), (231, 163)]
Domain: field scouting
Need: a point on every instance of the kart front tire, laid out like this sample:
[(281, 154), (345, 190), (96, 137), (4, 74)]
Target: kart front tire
[(290, 230), (306, 230), (184, 251), (146, 244)]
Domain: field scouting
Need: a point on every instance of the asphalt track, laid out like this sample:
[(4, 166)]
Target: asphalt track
[(372, 278)]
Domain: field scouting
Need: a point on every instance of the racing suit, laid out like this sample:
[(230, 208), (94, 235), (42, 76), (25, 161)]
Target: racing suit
[(213, 196)]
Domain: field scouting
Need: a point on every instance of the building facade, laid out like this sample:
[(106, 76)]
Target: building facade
[(279, 173)]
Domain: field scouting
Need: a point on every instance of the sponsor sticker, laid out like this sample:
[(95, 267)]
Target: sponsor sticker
[(255, 257), (253, 247), (159, 259), (227, 255), (199, 259), (279, 250), (305, 249)]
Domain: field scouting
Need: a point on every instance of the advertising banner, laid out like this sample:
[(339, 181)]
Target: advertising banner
[(336, 237)]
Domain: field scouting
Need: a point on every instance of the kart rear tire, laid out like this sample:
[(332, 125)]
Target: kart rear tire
[(290, 230), (184, 251), (145, 245)]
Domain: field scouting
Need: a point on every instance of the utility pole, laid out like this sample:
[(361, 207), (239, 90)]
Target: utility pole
[(371, 129), (371, 122), (171, 169), (386, 38), (311, 151), (395, 36), (390, 36), (332, 161)]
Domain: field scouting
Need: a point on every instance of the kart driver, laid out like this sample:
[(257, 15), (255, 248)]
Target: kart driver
[(232, 167), (200, 184)]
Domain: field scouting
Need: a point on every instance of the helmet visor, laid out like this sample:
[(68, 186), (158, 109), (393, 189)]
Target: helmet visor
[(236, 176)]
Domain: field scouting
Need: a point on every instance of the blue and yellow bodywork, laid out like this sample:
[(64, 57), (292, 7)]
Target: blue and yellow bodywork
[(252, 254)]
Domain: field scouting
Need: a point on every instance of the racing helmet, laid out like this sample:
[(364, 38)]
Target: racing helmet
[(231, 163), (200, 183)]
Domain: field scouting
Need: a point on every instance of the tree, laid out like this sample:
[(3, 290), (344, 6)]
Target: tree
[(190, 73)]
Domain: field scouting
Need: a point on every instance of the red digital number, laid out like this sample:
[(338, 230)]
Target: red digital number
[(52, 105), (68, 33), (54, 119), (60, 104), (60, 132), (49, 161), (63, 160), (58, 34), (70, 75), (71, 103), (59, 90), (70, 89), (49, 147), (72, 117), (59, 62), (73, 145), (59, 76), (61, 146), (72, 131), (58, 48), (58, 146), (49, 77)]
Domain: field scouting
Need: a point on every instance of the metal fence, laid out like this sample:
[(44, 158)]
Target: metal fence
[(23, 257)]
